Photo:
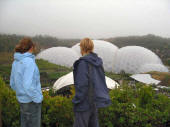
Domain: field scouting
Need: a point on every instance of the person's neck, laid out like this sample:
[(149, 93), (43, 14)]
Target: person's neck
[(85, 54)]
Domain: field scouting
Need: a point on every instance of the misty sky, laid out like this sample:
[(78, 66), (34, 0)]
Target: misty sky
[(85, 18)]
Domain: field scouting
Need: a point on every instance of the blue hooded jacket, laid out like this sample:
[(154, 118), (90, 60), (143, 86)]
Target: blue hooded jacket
[(25, 78), (83, 78)]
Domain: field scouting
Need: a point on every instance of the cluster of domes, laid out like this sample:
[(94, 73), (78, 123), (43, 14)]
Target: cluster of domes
[(130, 59)]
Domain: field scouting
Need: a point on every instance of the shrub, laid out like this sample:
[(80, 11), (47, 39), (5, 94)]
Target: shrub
[(56, 111), (139, 107), (9, 106), (131, 107)]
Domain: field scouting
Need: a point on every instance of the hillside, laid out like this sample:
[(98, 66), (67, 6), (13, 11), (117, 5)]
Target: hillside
[(8, 42)]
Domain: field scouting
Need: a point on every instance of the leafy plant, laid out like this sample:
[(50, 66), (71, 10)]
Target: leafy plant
[(130, 107)]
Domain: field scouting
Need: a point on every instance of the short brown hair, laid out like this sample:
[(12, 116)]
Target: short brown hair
[(86, 45), (24, 45)]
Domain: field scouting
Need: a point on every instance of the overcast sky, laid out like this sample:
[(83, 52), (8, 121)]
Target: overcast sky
[(85, 18)]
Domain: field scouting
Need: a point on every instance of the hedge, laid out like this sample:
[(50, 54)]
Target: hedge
[(137, 106)]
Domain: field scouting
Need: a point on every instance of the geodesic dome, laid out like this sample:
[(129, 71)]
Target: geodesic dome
[(136, 59), (59, 55), (105, 50)]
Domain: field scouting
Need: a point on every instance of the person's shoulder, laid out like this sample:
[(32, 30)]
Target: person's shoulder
[(79, 62), (82, 61), (28, 61)]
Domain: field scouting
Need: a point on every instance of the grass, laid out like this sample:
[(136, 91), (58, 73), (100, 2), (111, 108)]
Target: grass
[(118, 76), (45, 65), (50, 72), (6, 58)]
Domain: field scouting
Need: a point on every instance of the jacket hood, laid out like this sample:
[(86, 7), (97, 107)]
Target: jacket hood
[(93, 59), (18, 56)]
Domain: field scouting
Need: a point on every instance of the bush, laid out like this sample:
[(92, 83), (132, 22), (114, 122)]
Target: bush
[(139, 107), (56, 111), (9, 106), (131, 107)]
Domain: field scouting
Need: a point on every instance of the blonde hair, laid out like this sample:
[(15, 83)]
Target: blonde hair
[(86, 45)]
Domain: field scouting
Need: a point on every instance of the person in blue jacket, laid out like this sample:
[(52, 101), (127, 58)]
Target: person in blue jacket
[(25, 81), (91, 91)]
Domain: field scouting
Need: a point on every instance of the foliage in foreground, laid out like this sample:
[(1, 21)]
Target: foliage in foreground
[(131, 107)]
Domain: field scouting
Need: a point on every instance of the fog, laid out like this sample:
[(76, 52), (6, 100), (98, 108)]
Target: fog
[(85, 18)]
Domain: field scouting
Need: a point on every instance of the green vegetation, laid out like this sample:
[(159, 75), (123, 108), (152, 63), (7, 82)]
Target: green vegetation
[(50, 72), (168, 62), (122, 76), (5, 65), (6, 58), (131, 107), (8, 42)]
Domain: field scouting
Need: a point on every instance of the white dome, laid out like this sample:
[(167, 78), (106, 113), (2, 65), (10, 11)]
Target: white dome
[(67, 80), (131, 58), (105, 50), (152, 67), (59, 55)]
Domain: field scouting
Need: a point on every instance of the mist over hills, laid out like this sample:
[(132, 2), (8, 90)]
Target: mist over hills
[(159, 45)]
